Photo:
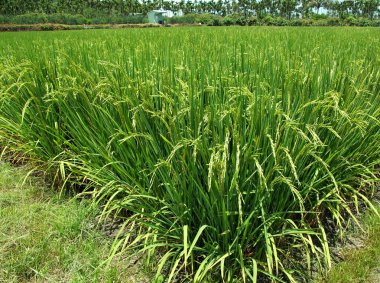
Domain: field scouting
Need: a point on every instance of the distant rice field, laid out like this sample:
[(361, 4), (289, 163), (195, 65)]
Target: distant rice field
[(232, 154)]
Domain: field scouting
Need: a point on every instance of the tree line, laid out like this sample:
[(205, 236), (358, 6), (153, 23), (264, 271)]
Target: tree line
[(259, 8)]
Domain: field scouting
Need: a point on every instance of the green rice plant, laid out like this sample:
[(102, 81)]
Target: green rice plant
[(226, 151)]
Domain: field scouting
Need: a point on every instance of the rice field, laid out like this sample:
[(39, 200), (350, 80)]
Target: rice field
[(232, 154)]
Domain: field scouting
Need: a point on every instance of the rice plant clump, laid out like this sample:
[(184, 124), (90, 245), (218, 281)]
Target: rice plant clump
[(224, 150)]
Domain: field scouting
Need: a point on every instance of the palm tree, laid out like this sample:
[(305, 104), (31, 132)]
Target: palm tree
[(305, 7), (318, 4)]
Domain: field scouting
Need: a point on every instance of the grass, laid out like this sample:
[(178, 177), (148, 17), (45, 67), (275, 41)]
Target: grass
[(360, 263), (225, 151), (44, 238)]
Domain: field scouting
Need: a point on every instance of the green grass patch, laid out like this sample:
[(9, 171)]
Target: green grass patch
[(44, 238), (360, 254)]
